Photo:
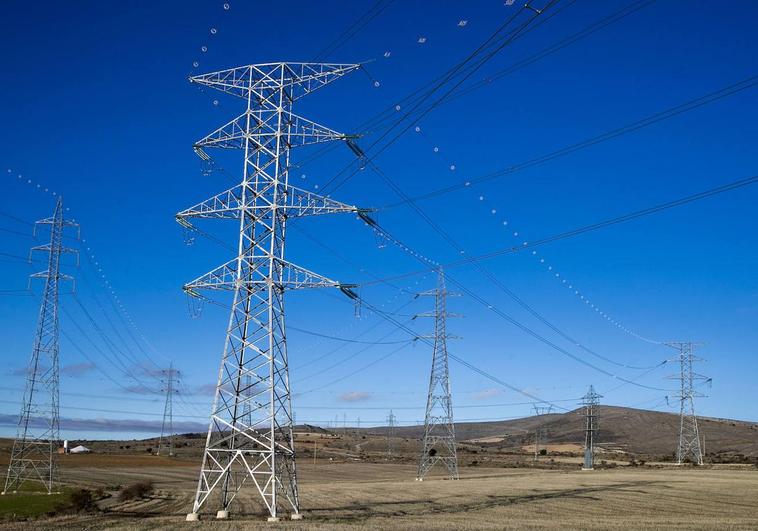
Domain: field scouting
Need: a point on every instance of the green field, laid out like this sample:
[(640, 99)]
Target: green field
[(31, 504)]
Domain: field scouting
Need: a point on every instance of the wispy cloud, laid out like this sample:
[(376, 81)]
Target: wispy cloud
[(205, 390), (354, 396), (24, 371), (110, 425), (485, 394), (151, 371), (142, 389), (77, 369)]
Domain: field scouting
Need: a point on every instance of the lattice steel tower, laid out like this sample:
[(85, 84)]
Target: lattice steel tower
[(439, 431), (250, 436), (170, 377), (590, 402), (390, 433), (35, 448), (689, 436), (540, 431)]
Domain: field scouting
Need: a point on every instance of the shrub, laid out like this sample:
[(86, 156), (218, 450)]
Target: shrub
[(135, 491), (82, 500)]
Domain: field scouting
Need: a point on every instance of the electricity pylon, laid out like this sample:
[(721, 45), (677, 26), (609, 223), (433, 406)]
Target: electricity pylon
[(439, 431), (540, 432), (35, 448), (390, 433), (167, 428), (590, 402), (689, 436), (250, 436)]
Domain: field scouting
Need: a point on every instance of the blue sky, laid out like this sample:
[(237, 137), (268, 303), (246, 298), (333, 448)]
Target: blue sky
[(96, 106)]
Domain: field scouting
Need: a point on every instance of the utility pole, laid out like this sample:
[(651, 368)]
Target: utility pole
[(540, 432), (35, 448), (167, 428), (259, 453), (439, 430), (590, 402), (390, 434), (689, 437)]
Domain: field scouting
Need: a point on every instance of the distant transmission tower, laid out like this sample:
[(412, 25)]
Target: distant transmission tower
[(540, 432), (33, 457), (390, 433), (254, 445), (167, 429), (439, 431), (689, 437), (590, 402)]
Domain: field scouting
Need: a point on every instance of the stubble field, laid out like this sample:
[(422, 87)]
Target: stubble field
[(350, 495)]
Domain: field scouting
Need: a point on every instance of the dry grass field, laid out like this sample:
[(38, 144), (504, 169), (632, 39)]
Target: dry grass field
[(349, 484), (350, 495)]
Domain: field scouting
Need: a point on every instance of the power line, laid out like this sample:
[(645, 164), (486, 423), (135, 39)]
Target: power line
[(505, 41), (513, 321), (583, 229), (725, 92), (377, 122), (347, 340), (374, 11)]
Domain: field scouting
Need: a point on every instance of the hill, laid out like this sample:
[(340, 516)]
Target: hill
[(636, 431)]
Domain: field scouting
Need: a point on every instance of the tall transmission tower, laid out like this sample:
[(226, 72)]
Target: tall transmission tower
[(439, 430), (254, 445), (170, 376), (590, 402), (689, 447), (540, 432), (35, 448), (390, 433)]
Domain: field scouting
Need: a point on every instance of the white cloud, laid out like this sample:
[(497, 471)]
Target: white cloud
[(485, 394), (354, 396), (77, 369)]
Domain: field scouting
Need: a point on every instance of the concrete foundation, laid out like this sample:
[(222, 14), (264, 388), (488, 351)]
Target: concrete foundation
[(297, 516), (273, 519), (192, 517), (222, 515)]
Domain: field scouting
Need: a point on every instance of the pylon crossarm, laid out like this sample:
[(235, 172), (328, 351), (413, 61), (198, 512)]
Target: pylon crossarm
[(303, 132), (45, 274), (231, 135), (51, 221), (227, 204), (263, 129), (301, 202), (297, 203), (301, 78), (290, 276), (46, 248)]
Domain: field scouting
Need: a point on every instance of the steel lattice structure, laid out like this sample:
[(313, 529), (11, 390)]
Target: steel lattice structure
[(689, 436), (590, 401), (390, 433), (167, 428), (250, 434), (35, 448), (540, 432), (439, 430)]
